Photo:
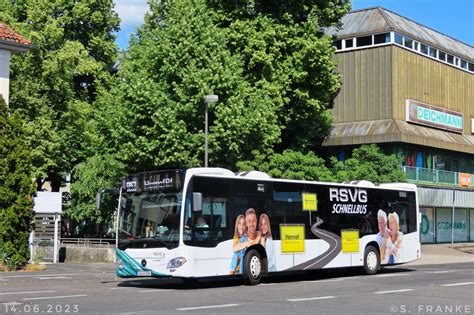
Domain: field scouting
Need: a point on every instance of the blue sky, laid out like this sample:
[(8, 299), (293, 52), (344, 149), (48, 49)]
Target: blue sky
[(454, 18)]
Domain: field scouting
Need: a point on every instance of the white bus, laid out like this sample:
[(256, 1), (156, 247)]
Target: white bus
[(205, 222)]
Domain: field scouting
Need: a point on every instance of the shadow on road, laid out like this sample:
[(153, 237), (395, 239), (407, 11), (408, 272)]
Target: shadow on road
[(217, 282)]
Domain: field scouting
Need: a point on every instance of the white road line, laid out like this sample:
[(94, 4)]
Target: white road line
[(327, 280), (312, 298), (268, 284), (391, 275), (206, 307), (54, 297), (456, 284), (11, 303), (27, 292), (52, 278), (149, 291), (394, 291), (120, 288), (439, 271)]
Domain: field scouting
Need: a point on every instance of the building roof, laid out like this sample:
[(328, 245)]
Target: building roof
[(379, 20), (11, 40), (394, 130)]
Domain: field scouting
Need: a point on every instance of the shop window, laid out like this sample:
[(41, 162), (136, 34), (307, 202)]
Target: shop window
[(427, 225), (363, 41), (349, 43), (444, 226), (471, 224), (381, 38)]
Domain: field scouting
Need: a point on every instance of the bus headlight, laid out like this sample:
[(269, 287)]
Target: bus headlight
[(176, 262), (120, 263)]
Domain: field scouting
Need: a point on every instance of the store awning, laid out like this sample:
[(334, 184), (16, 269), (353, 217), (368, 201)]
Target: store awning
[(393, 130)]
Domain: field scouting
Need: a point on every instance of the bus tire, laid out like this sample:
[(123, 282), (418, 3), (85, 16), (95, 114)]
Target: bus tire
[(371, 260), (252, 267)]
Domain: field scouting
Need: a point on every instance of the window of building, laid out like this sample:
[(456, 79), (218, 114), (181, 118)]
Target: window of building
[(415, 46), (463, 64), (363, 41), (442, 56), (433, 52), (424, 49), (349, 43), (450, 59), (408, 43), (471, 66), (338, 44), (381, 38), (398, 39)]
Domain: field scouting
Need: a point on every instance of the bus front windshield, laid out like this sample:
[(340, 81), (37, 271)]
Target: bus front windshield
[(150, 220)]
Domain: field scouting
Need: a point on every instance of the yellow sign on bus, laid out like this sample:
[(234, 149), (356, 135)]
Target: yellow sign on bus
[(350, 241), (292, 238), (310, 202)]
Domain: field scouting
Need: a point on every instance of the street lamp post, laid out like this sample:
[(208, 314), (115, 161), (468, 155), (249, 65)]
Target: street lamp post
[(208, 99)]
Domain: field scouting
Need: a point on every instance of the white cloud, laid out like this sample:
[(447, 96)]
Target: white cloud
[(131, 11)]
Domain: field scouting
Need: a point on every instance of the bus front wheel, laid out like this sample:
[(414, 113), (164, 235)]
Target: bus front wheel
[(371, 260), (253, 267)]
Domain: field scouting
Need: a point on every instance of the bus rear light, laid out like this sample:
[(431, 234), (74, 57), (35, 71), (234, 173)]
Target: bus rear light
[(176, 262)]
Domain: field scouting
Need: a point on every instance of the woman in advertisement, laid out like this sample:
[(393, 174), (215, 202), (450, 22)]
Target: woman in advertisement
[(267, 241), (240, 229), (395, 239)]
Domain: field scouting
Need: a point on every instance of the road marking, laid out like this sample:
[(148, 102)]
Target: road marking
[(54, 297), (12, 303), (391, 275), (119, 288), (327, 280), (52, 278), (206, 307), (312, 298), (394, 291), (27, 292), (456, 284), (268, 284), (439, 271), (148, 291)]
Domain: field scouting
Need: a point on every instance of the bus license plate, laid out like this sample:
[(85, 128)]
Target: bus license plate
[(143, 273)]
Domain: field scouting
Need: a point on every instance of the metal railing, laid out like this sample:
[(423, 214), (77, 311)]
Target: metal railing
[(87, 242), (421, 175)]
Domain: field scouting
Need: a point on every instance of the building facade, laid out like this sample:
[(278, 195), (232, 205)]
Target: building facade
[(410, 89), (10, 42)]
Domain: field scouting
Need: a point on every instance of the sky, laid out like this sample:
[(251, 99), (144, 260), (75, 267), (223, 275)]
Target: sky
[(454, 18)]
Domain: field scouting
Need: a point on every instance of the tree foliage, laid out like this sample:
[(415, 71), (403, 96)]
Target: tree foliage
[(290, 165), (16, 189), (177, 58), (367, 162), (370, 163), (286, 54), (56, 83)]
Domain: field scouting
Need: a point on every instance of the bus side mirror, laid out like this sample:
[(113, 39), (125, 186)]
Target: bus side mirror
[(197, 201)]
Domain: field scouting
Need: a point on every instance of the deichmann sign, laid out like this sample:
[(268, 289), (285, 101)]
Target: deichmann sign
[(433, 116)]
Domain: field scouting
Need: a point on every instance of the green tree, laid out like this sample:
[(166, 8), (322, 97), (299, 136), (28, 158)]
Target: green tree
[(178, 57), (287, 55), (16, 188), (368, 162), (55, 85)]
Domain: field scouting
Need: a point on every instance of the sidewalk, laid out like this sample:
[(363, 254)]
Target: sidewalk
[(432, 254)]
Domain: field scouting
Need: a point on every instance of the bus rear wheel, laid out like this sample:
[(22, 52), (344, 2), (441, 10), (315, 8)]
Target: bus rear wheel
[(371, 260), (252, 268)]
